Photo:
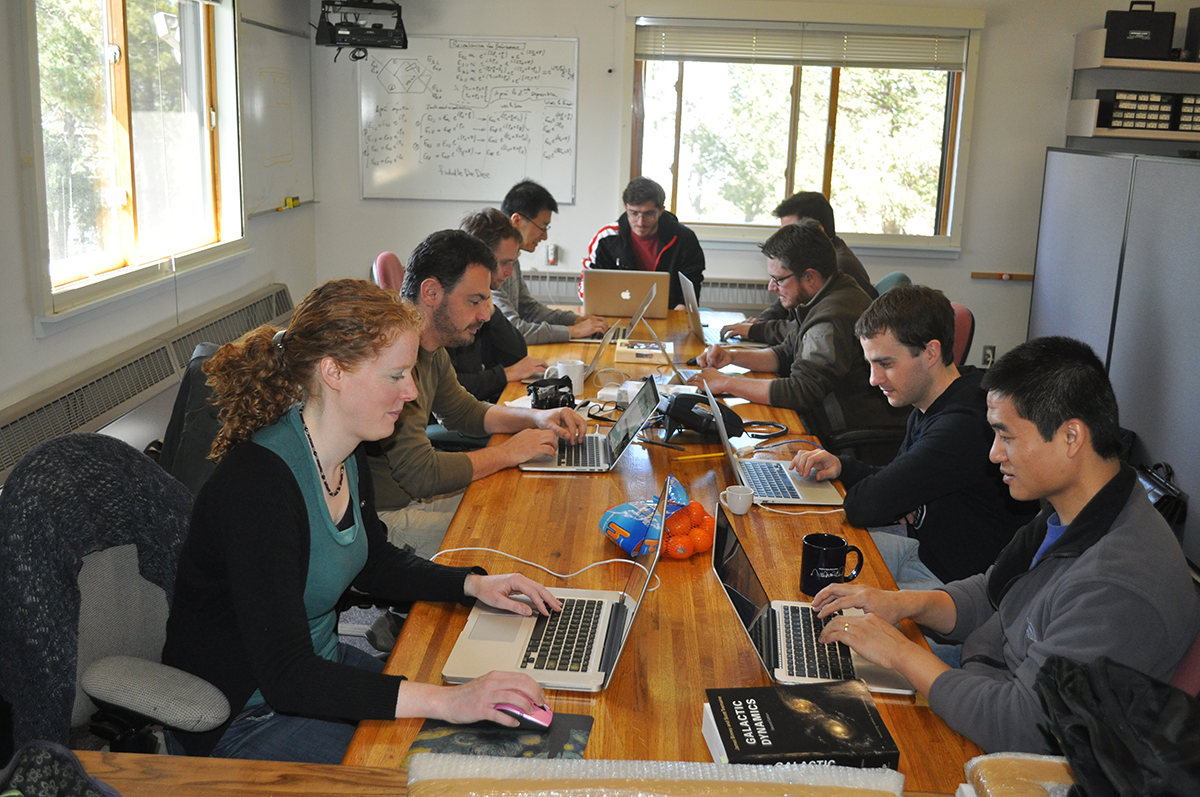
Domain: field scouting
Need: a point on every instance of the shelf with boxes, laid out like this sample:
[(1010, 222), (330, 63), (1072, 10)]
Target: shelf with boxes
[(1157, 100)]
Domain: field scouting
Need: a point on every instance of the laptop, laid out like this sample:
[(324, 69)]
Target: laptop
[(545, 648), (772, 481), (784, 633), (710, 337), (608, 338), (682, 375), (620, 331), (612, 292), (598, 453)]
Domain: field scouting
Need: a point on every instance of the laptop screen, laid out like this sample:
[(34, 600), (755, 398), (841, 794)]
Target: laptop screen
[(635, 587), (744, 589), (632, 420)]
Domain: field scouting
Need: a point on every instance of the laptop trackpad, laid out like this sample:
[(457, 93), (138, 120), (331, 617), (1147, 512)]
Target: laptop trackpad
[(494, 628)]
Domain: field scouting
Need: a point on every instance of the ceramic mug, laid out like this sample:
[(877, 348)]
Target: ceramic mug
[(823, 562)]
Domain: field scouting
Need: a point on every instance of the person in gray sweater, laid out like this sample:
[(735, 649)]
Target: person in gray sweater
[(529, 206), (1097, 573)]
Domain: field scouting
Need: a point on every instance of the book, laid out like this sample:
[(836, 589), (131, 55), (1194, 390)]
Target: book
[(566, 737), (828, 722)]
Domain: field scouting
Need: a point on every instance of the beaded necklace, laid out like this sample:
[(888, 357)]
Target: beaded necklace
[(317, 459)]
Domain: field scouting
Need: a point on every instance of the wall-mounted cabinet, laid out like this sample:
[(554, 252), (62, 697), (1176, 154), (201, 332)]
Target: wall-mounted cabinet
[(1094, 72)]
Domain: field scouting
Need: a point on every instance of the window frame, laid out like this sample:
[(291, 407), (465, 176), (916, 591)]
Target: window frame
[(739, 236), (54, 309)]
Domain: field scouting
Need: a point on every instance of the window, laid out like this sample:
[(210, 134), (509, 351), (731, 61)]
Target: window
[(732, 117), (127, 121)]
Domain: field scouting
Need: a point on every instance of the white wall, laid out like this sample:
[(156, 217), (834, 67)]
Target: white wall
[(1023, 86), (1021, 97), (283, 251)]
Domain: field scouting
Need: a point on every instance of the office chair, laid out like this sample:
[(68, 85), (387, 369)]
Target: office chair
[(90, 534), (891, 280), (388, 271), (964, 332), (193, 425), (1187, 674)]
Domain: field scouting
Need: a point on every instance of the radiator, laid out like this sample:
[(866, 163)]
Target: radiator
[(107, 391)]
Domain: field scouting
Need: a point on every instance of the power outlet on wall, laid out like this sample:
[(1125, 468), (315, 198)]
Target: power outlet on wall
[(989, 356)]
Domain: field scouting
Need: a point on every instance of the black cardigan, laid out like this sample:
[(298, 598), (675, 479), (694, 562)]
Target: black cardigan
[(238, 619)]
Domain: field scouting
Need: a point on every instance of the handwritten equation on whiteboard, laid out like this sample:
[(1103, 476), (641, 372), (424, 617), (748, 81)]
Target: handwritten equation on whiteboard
[(465, 118)]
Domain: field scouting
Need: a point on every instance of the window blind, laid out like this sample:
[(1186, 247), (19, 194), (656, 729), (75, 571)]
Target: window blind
[(798, 44)]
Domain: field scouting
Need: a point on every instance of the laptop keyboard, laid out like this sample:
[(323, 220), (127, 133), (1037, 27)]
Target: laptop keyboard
[(768, 479), (587, 453), (620, 334), (808, 658), (564, 641)]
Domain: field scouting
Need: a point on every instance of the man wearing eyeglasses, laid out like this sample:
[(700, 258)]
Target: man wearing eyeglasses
[(529, 206), (648, 238), (822, 373)]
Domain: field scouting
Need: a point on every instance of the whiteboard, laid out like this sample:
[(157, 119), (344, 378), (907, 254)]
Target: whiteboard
[(467, 117), (277, 157)]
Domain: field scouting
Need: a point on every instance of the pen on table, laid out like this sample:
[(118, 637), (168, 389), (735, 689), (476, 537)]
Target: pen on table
[(647, 440), (700, 456)]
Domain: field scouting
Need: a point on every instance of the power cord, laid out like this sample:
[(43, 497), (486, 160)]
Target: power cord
[(551, 572), (805, 512)]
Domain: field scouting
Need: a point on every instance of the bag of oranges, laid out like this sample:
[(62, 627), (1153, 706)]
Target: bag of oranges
[(627, 525)]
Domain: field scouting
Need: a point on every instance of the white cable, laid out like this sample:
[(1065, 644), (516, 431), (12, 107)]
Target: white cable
[(548, 570), (805, 512)]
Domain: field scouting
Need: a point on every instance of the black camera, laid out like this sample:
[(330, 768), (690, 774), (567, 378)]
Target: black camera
[(547, 394)]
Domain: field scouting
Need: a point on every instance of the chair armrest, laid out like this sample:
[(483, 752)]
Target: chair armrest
[(175, 698)]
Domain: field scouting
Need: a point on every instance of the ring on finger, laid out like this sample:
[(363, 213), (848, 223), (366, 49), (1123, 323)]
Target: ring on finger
[(845, 628)]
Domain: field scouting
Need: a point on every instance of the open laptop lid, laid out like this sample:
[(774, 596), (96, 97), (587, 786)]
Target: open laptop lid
[(745, 591), (595, 363), (730, 454), (645, 401), (608, 292), (635, 586), (693, 307), (666, 354)]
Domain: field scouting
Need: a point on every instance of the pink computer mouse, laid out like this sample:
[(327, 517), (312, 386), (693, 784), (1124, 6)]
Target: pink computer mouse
[(538, 719)]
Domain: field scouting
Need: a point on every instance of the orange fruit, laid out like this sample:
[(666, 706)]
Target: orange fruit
[(680, 547), (696, 511), (702, 537), (679, 523)]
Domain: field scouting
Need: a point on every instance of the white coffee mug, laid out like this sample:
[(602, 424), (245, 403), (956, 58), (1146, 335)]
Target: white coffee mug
[(738, 499), (571, 368)]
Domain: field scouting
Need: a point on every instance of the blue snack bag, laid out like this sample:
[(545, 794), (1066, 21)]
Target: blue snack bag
[(627, 524)]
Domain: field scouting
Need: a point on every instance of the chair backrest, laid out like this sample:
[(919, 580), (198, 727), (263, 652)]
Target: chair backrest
[(193, 425), (1187, 674), (65, 501), (964, 332), (891, 280), (389, 271)]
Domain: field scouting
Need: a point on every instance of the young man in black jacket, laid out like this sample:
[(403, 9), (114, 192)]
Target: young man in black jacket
[(941, 487), (648, 238)]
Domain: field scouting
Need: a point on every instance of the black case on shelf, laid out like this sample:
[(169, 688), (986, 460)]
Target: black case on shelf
[(1191, 40), (1138, 33)]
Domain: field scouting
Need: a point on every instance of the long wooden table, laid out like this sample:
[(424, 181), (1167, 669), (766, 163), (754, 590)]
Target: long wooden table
[(686, 638)]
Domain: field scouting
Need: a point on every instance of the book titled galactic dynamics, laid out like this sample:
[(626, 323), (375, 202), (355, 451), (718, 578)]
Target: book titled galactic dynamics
[(831, 722)]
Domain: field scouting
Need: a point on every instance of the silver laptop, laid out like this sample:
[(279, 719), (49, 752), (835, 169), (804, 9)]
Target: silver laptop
[(576, 649), (710, 337), (772, 481), (597, 453), (613, 292), (609, 337), (784, 633), (677, 376), (621, 331)]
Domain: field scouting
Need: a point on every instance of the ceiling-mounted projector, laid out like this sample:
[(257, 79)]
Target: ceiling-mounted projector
[(361, 23)]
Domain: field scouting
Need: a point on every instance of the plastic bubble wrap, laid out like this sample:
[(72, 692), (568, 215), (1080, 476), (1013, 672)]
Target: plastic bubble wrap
[(438, 775), (1019, 775)]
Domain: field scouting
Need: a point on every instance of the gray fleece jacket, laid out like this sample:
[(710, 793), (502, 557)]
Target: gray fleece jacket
[(1115, 584)]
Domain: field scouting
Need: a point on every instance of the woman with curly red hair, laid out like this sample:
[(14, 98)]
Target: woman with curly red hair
[(286, 523)]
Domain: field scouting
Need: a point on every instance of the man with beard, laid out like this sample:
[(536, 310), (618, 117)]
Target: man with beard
[(418, 488)]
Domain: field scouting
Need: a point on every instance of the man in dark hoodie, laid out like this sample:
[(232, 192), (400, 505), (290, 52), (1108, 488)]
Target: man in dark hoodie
[(948, 499), (648, 238)]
